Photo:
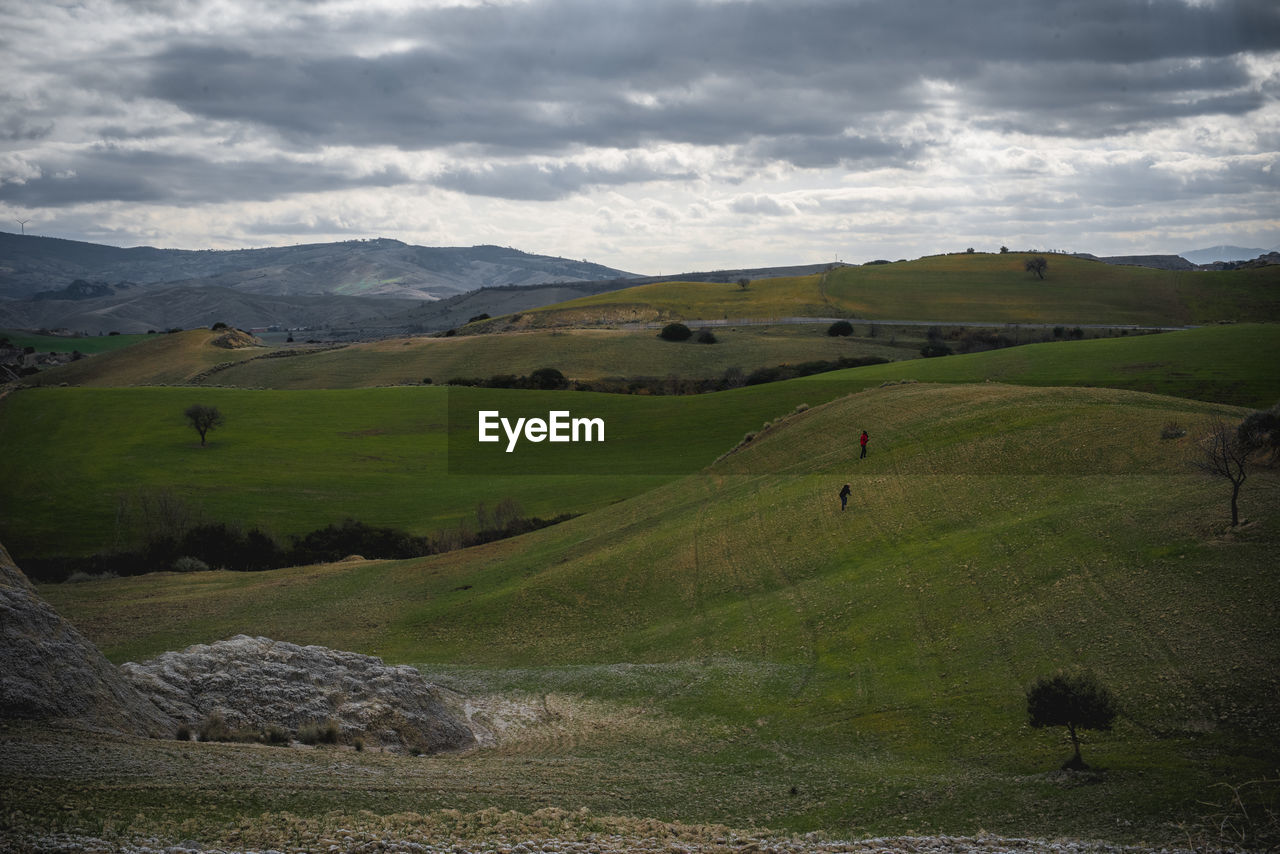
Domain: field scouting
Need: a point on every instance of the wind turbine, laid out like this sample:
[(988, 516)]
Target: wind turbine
[(23, 223)]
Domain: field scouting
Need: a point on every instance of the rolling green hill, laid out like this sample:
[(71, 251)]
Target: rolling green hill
[(581, 354), (64, 344), (173, 358), (872, 660), (291, 461), (1228, 364), (979, 288)]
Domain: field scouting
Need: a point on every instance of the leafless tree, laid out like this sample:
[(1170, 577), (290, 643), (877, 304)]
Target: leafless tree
[(1224, 454), (1037, 265)]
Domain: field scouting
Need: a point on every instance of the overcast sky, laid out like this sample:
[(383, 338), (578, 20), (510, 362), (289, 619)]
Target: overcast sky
[(656, 136)]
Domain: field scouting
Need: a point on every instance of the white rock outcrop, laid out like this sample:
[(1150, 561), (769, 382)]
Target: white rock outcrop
[(256, 682)]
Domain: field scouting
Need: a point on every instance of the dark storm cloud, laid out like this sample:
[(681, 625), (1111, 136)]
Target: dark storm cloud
[(1095, 99), (501, 91), (142, 176), (821, 151), (549, 76), (544, 182)]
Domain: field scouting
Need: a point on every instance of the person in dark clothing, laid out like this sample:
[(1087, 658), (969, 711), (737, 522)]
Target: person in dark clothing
[(844, 496), (863, 441)]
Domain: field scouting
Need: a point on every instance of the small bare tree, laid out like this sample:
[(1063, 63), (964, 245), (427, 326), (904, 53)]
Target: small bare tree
[(744, 283), (1225, 454), (1037, 265)]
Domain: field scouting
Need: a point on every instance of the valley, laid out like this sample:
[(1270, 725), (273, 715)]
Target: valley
[(710, 652)]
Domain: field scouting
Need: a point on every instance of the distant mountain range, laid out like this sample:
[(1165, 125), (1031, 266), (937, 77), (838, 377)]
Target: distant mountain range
[(1223, 253), (51, 283), (349, 289), (381, 267), (1197, 259)]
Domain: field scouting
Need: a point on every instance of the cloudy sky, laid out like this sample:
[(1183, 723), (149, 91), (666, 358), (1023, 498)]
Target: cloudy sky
[(655, 136)]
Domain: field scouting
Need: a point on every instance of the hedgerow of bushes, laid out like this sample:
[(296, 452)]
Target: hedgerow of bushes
[(218, 545)]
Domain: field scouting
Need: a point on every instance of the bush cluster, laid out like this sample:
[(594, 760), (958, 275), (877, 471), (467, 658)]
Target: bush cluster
[(544, 379), (804, 369), (221, 546), (325, 732)]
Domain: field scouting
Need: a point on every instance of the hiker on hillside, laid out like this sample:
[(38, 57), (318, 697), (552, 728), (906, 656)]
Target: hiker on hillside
[(863, 441), (844, 496)]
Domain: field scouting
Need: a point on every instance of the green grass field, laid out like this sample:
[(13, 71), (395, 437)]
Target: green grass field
[(978, 288), (713, 641), (737, 634), (63, 344), (291, 461), (580, 354), (1227, 364)]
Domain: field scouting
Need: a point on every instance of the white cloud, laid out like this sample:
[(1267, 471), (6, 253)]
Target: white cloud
[(646, 135)]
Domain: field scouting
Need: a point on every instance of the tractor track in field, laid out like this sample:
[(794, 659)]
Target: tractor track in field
[(794, 595)]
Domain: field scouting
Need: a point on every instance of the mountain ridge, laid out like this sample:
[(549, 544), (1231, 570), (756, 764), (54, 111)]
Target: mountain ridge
[(30, 264)]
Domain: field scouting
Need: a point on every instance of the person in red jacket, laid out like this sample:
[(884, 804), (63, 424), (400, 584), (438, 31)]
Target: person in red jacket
[(863, 441)]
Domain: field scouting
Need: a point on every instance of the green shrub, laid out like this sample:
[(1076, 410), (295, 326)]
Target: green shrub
[(548, 379), (935, 348), (325, 732), (840, 328), (706, 336), (675, 332), (214, 728), (275, 734)]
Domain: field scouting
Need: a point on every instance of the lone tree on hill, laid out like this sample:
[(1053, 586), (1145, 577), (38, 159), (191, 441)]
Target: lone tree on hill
[(744, 283), (203, 418), (1037, 265), (1225, 453), (1076, 700)]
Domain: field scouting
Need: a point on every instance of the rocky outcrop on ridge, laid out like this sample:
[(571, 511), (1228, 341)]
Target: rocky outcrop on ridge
[(49, 671), (256, 683)]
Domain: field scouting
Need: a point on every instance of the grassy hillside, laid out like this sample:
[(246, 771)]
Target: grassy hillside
[(1224, 363), (752, 639), (1228, 364), (291, 461), (580, 354), (979, 288), (174, 358), (63, 344)]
